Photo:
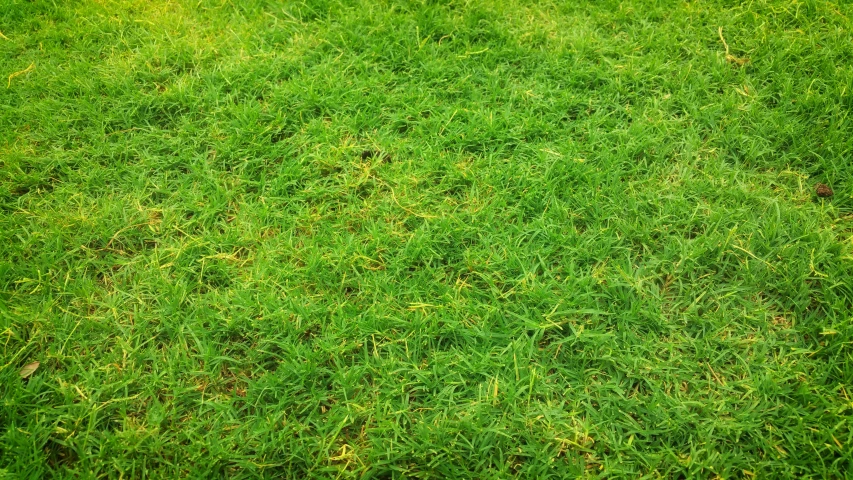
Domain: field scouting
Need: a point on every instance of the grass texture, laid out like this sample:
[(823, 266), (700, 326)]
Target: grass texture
[(462, 239)]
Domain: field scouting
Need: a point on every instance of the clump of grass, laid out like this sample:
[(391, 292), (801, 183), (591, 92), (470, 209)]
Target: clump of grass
[(343, 238)]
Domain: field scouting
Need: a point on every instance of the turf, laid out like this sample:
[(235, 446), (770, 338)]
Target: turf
[(457, 239)]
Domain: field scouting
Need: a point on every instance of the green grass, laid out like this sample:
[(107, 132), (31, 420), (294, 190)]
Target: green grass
[(426, 239)]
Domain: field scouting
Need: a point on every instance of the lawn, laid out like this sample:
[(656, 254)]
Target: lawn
[(461, 239)]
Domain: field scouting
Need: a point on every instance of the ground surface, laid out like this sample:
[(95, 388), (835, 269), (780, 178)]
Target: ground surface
[(441, 239)]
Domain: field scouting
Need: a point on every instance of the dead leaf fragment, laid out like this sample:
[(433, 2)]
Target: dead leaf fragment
[(740, 61), (28, 369), (823, 190)]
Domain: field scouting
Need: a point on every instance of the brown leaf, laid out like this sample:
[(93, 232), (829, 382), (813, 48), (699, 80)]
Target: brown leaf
[(823, 190), (28, 369)]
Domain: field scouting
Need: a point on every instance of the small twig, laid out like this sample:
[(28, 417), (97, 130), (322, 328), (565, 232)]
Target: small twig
[(4, 37)]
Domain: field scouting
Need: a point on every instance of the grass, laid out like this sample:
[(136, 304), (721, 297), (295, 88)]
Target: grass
[(261, 239)]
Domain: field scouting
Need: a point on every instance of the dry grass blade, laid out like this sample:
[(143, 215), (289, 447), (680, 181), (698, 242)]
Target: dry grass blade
[(741, 61), (21, 72)]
